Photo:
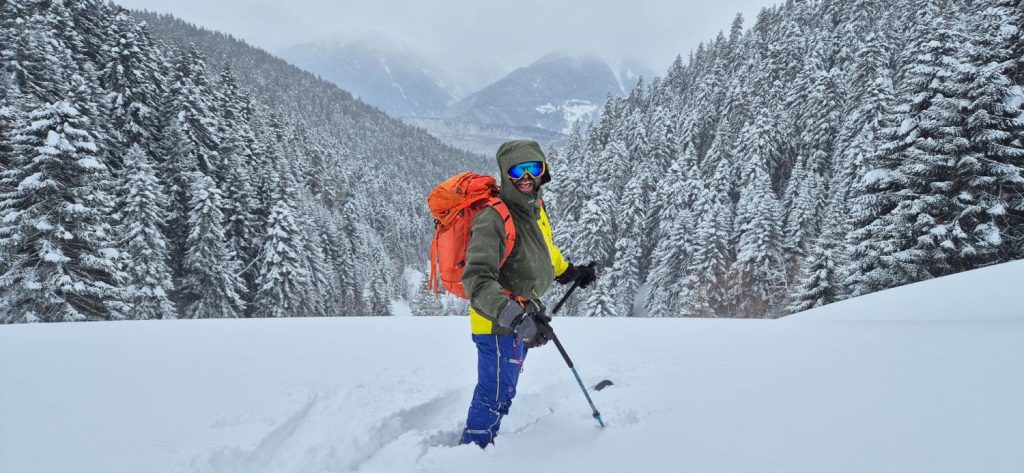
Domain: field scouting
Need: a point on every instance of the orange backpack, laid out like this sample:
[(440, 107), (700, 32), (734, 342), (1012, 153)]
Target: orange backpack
[(454, 203)]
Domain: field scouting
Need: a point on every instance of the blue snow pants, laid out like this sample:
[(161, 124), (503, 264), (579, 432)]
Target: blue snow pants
[(499, 361)]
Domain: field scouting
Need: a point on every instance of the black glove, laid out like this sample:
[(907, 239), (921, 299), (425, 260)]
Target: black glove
[(544, 332), (582, 275), (529, 323)]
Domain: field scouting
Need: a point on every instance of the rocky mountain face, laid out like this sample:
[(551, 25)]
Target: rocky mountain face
[(541, 101), (552, 94)]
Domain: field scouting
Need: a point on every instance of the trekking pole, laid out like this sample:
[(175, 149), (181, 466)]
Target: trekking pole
[(575, 284), (564, 298), (568, 361)]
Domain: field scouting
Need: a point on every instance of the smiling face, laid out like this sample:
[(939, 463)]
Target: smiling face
[(527, 176), (527, 184), (530, 168)]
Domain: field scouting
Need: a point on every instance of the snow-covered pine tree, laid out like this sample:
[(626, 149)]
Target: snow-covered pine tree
[(663, 148), (859, 136), (268, 152), (283, 280), (337, 255), (815, 102), (176, 167), (886, 209), (682, 187), (821, 278), (234, 110), (36, 54), (993, 212), (131, 84), (625, 271), (144, 248), (349, 265), (426, 302), (10, 118), (55, 233), (191, 103), (331, 248), (635, 136), (600, 134), (565, 196), (240, 209), (187, 139), (378, 283), (822, 116), (759, 143), (91, 21), (981, 120), (632, 218), (942, 209), (12, 12), (804, 199), (596, 228), (719, 163), (709, 285), (850, 181), (321, 275), (595, 241), (211, 285), (757, 271)]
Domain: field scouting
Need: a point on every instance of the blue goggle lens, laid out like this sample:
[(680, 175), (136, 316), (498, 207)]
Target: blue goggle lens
[(534, 168)]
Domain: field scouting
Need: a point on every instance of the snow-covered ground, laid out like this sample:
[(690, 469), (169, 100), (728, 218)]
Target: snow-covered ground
[(925, 378)]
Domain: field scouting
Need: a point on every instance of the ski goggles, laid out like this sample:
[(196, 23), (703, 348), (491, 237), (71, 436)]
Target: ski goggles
[(533, 168)]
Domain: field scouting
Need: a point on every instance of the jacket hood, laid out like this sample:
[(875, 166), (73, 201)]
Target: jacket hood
[(512, 153)]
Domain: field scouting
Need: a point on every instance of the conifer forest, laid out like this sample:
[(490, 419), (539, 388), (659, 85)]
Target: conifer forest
[(152, 169)]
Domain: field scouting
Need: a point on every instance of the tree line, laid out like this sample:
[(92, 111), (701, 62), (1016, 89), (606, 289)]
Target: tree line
[(141, 179), (834, 149)]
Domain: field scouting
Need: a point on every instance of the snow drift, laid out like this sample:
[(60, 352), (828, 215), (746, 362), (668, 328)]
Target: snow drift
[(924, 378)]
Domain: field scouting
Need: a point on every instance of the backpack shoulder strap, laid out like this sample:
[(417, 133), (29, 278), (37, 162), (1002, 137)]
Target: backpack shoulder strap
[(510, 227)]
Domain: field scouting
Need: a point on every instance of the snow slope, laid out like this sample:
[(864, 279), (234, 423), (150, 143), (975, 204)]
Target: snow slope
[(925, 378)]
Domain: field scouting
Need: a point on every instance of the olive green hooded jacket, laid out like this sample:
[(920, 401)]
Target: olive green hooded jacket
[(534, 261)]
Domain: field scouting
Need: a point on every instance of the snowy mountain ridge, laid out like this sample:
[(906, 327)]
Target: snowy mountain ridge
[(878, 383), (381, 73), (405, 84), (570, 83)]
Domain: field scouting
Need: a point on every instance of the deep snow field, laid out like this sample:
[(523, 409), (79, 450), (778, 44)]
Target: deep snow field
[(925, 378)]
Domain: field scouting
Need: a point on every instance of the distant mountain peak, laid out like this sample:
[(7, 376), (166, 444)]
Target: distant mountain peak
[(551, 93), (381, 44), (381, 72), (568, 56)]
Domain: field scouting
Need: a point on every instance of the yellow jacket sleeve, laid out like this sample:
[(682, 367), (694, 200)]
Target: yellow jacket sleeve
[(557, 261)]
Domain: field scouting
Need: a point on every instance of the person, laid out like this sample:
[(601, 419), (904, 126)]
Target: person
[(506, 315)]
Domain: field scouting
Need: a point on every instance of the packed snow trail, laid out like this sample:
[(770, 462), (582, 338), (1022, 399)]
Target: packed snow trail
[(924, 378)]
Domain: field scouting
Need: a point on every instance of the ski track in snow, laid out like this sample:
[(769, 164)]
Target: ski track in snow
[(317, 437), (418, 419)]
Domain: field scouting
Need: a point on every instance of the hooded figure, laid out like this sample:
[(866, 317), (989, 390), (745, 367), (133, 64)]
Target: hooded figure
[(506, 315)]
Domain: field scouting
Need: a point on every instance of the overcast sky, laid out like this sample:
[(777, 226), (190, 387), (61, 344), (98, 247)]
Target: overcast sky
[(503, 34)]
